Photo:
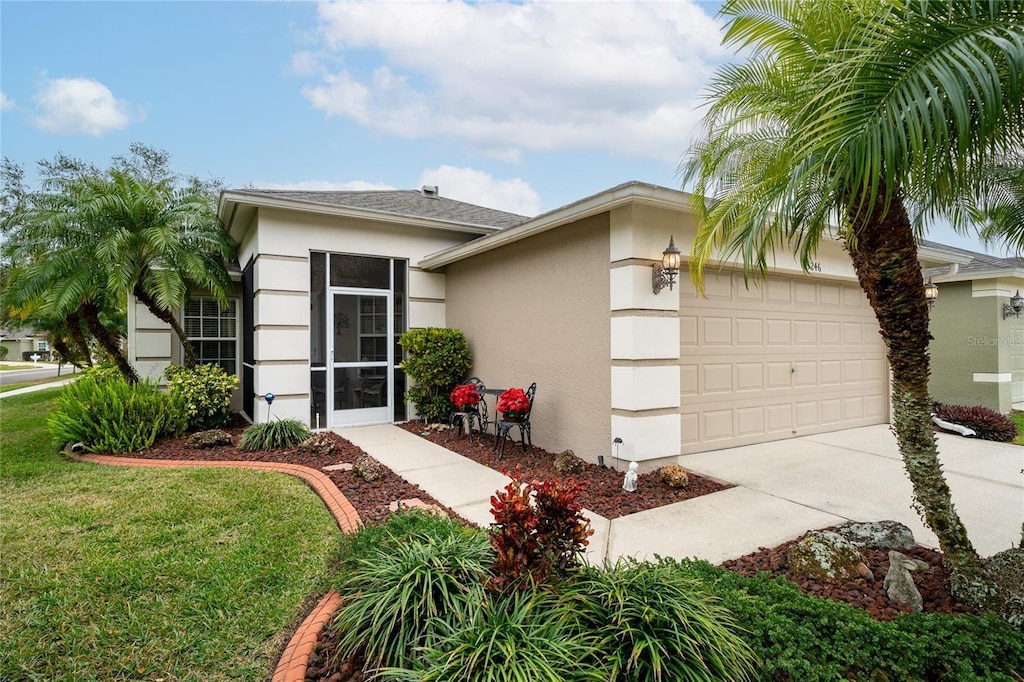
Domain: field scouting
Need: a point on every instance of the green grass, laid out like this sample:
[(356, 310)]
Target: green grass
[(1018, 419), (109, 573)]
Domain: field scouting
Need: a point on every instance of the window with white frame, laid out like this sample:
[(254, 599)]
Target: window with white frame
[(213, 331), (42, 346)]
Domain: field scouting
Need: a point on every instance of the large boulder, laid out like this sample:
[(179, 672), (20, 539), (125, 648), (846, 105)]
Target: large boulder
[(827, 556), (878, 534), (368, 468), (208, 439), (899, 584)]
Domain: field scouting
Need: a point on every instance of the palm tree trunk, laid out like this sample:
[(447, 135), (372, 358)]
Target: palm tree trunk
[(90, 313), (884, 257), (74, 326), (190, 359)]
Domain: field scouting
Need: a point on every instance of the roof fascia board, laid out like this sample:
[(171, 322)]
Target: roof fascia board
[(228, 198), (995, 273), (599, 203), (941, 256)]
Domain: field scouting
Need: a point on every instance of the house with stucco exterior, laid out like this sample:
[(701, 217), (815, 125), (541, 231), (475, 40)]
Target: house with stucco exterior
[(977, 328), (330, 280)]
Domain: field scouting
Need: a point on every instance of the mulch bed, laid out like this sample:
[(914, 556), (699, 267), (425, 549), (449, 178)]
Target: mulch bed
[(603, 495)]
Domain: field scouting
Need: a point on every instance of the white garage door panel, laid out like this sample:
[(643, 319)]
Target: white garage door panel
[(789, 358)]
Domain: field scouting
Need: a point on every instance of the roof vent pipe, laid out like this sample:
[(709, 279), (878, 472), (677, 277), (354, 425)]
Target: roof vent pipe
[(430, 191)]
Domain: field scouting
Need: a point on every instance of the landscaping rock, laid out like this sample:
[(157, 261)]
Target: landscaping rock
[(208, 439), (318, 444), (674, 476), (368, 468), (899, 585), (827, 556), (568, 464), (878, 535)]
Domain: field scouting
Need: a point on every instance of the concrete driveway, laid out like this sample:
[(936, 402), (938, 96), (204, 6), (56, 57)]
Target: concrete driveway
[(858, 474)]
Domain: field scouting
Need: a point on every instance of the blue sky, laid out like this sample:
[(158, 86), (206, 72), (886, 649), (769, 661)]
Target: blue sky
[(519, 106)]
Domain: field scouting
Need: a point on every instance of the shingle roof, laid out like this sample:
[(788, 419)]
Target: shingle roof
[(980, 262), (408, 203)]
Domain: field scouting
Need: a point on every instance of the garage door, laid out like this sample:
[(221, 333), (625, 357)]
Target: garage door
[(788, 357)]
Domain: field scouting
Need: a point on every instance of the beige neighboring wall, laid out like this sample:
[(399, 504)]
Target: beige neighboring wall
[(557, 335)]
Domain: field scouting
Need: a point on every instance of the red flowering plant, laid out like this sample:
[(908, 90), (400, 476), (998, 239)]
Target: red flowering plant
[(465, 397), (513, 403)]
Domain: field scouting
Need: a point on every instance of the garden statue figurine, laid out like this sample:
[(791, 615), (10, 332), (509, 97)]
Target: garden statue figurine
[(629, 482)]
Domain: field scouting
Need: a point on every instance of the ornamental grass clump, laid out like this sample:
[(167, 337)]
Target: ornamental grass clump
[(657, 625), (528, 636), (987, 424), (404, 595), (107, 414), (279, 433)]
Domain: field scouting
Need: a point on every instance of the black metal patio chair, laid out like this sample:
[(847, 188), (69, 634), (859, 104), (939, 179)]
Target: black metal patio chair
[(504, 425), (464, 419)]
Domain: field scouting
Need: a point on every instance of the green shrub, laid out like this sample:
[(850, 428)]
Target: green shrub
[(4, 350), (203, 393), (399, 597), (279, 433), (799, 637), (436, 360), (656, 624), (107, 414), (398, 529), (517, 636)]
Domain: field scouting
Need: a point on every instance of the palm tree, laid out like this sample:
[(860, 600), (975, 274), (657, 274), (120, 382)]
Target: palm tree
[(158, 242), (54, 277), (872, 116)]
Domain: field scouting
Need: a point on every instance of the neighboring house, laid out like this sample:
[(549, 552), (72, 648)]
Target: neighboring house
[(22, 343), (977, 351), (332, 279)]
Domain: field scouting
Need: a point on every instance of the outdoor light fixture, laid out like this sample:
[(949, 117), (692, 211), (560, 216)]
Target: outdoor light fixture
[(665, 272), (1014, 307), (931, 292)]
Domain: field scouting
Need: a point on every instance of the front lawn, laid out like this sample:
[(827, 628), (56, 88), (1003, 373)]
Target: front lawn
[(118, 573), (1018, 419)]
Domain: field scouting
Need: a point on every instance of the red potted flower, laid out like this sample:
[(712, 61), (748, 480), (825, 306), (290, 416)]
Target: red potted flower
[(514, 404), (465, 397)]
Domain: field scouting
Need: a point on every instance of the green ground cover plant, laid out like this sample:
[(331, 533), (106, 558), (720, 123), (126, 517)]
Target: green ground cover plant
[(115, 573), (278, 433), (1018, 419), (107, 414)]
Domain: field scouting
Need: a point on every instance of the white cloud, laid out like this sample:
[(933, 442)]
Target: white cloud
[(620, 76), (323, 185), (478, 187), (80, 106), (6, 104)]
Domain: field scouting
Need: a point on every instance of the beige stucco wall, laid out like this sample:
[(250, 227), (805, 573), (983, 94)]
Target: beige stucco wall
[(538, 310), (279, 242)]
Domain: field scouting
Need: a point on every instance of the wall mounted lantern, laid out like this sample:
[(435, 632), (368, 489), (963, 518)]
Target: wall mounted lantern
[(665, 272), (931, 292), (1014, 307)]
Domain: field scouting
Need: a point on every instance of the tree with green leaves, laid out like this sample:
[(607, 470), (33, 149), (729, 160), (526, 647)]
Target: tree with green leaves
[(865, 120), (136, 229)]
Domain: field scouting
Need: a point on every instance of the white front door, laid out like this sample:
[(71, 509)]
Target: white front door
[(360, 378)]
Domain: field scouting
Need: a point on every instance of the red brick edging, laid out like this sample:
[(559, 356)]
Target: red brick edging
[(295, 658)]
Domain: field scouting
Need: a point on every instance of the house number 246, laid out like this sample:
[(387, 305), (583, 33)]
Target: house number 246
[(815, 266)]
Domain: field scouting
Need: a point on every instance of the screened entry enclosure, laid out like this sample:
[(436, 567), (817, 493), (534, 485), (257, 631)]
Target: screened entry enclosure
[(357, 315)]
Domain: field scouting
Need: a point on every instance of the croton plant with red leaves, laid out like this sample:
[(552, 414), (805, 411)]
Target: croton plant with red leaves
[(539, 532), (465, 397)]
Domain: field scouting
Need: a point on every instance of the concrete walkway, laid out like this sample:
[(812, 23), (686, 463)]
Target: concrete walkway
[(783, 489), (38, 387)]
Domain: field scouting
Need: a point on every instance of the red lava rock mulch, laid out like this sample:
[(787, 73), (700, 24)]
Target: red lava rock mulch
[(932, 583), (603, 493)]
